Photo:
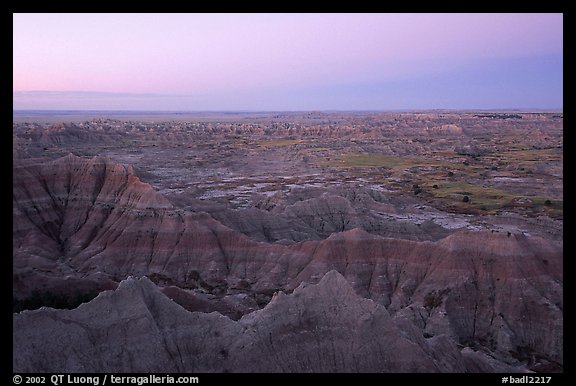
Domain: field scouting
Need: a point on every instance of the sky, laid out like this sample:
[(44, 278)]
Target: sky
[(290, 62)]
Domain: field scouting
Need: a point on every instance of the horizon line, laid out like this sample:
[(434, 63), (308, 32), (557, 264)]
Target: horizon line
[(515, 109)]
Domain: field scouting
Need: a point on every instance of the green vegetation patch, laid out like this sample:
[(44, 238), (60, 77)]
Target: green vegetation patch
[(280, 142), (527, 156), (380, 161), (480, 197), (487, 199)]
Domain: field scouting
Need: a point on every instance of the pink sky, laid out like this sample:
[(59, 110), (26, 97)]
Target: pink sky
[(201, 55)]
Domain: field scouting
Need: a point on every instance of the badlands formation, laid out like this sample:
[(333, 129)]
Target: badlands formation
[(142, 268)]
